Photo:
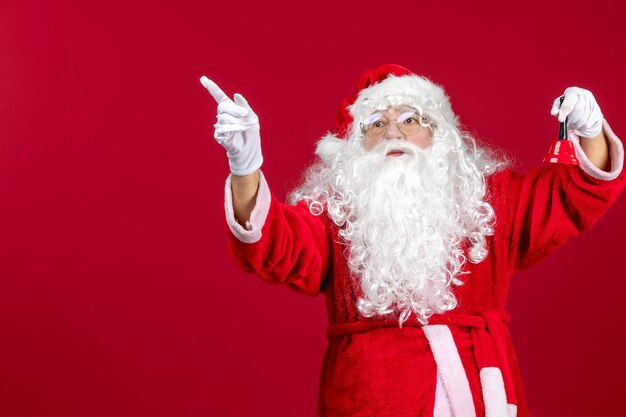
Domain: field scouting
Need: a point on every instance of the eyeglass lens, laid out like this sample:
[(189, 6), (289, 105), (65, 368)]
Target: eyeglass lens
[(409, 123)]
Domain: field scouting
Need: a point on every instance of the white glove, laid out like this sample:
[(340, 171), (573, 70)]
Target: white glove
[(237, 130), (582, 111)]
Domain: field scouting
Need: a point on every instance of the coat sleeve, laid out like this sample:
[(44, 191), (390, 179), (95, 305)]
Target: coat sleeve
[(553, 202), (281, 244)]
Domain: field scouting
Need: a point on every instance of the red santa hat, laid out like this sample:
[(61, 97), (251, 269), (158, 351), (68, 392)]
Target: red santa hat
[(392, 85)]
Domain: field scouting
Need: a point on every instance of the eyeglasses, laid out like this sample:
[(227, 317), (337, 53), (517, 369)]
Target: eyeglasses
[(409, 123)]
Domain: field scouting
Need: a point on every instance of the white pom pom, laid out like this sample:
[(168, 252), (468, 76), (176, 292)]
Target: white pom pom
[(329, 147)]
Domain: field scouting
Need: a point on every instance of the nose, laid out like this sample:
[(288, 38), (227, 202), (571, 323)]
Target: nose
[(393, 132)]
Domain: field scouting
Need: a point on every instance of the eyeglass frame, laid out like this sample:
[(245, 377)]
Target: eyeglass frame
[(416, 111)]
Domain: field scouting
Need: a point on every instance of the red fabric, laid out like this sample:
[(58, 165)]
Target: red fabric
[(486, 337), (391, 371), (366, 79)]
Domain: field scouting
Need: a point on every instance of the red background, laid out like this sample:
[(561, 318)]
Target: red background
[(117, 297)]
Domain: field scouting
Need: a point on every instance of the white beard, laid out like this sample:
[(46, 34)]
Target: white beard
[(405, 237), (404, 218)]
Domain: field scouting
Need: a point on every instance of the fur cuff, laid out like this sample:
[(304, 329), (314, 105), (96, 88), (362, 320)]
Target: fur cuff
[(616, 153), (252, 232)]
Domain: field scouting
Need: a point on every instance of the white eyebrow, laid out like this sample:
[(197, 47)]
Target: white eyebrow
[(372, 118)]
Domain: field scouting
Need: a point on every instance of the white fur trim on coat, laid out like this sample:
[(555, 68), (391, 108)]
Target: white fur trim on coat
[(512, 410), (452, 372), (252, 232), (442, 402)]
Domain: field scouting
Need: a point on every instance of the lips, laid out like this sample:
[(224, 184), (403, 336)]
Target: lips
[(398, 148)]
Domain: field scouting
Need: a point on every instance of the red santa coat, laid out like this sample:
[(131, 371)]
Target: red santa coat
[(463, 362)]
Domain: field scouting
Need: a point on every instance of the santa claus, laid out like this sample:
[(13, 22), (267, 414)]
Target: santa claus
[(412, 229)]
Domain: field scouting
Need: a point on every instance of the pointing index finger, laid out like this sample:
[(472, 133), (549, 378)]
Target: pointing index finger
[(214, 90)]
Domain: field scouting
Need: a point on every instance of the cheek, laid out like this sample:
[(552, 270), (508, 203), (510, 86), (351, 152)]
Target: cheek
[(369, 143), (422, 140)]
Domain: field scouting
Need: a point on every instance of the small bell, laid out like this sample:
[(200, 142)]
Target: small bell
[(562, 150)]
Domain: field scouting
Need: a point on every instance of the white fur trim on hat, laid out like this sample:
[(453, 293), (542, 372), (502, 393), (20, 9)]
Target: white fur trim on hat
[(411, 90)]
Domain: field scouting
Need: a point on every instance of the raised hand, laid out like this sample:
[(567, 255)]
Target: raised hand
[(582, 112), (237, 130)]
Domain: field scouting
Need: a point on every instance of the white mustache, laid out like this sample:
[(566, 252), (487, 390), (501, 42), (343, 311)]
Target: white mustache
[(397, 145)]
